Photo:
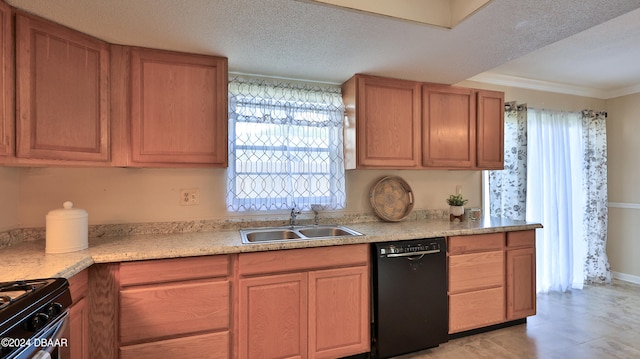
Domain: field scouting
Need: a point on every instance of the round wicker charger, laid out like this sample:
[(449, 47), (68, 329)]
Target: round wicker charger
[(391, 198)]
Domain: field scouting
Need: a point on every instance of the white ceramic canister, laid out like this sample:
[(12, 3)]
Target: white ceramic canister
[(67, 229)]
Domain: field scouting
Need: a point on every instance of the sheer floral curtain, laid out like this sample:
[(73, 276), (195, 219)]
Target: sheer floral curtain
[(594, 137), (556, 174), (508, 188)]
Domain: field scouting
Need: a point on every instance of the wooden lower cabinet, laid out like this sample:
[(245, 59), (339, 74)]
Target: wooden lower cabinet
[(521, 274), (491, 279), (468, 272), (476, 281), (176, 306), (164, 308), (314, 312), (173, 309), (211, 346), (476, 309)]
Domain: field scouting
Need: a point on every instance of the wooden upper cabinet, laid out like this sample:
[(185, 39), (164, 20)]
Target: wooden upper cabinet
[(6, 83), (178, 109), (383, 123), (490, 127), (398, 124), (62, 89), (448, 127)]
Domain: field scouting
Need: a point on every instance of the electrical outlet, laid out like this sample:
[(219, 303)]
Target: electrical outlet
[(459, 189), (189, 197)]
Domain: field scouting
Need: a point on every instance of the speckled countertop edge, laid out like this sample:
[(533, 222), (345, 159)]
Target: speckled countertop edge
[(28, 260)]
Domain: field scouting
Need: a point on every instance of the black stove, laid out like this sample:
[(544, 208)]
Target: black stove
[(33, 317)]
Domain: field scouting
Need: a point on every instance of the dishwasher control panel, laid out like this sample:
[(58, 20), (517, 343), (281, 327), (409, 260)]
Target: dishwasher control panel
[(414, 248)]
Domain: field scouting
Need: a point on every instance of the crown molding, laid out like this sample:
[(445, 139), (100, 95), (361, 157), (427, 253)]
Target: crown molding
[(549, 86)]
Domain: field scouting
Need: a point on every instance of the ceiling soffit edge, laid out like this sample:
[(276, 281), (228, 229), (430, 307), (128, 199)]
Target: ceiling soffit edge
[(550, 86), (444, 14)]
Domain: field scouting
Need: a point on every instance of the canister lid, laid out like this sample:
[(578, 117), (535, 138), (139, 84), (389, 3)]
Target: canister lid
[(68, 211)]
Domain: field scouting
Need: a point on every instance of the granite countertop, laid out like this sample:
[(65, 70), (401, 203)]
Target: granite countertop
[(28, 260)]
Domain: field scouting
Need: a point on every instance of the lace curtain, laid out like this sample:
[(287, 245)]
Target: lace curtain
[(285, 145), (543, 182)]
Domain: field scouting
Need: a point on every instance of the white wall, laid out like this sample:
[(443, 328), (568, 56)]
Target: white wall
[(542, 99), (9, 186), (623, 130), (128, 195)]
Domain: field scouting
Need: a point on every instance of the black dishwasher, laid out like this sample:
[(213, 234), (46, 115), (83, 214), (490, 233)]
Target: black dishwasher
[(410, 306)]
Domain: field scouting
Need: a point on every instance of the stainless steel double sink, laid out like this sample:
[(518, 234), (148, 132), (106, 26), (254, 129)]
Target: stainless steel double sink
[(288, 233)]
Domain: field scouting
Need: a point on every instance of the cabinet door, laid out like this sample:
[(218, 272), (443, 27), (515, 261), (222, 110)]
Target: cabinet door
[(62, 89), (79, 330), (273, 316), (178, 108), (448, 127), (490, 129), (6, 83), (338, 312), (78, 347), (387, 123), (521, 283)]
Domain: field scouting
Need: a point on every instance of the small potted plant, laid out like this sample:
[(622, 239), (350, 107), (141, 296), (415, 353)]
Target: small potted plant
[(456, 205)]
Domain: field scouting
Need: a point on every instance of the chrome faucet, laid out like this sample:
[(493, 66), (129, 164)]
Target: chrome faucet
[(294, 215), (315, 208)]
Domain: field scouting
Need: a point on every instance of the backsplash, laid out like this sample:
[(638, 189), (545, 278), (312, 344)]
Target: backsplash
[(11, 237)]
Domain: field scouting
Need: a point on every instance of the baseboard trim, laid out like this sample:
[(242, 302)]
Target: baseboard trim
[(626, 277)]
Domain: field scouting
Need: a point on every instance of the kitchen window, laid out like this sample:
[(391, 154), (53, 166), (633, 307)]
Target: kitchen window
[(285, 145)]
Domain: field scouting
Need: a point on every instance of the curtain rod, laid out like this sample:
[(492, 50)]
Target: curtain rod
[(592, 113), (513, 106)]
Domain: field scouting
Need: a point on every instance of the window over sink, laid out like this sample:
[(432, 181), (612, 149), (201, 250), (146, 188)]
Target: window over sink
[(285, 145)]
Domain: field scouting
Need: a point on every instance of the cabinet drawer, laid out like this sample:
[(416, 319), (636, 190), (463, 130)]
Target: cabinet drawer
[(168, 270), (173, 309), (476, 271), (476, 309), (214, 346), (475, 243), (521, 239), (302, 259)]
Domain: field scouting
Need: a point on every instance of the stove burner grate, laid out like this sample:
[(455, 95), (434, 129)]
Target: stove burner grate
[(14, 291)]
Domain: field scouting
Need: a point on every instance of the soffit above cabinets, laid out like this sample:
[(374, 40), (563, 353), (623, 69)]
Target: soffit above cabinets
[(441, 13), (310, 40)]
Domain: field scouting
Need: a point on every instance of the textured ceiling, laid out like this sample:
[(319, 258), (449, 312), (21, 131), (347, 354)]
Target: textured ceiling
[(603, 62), (303, 40)]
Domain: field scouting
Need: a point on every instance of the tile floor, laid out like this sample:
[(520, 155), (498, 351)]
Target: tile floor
[(600, 321)]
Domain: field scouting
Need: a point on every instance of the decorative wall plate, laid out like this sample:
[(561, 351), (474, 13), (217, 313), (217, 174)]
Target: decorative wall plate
[(391, 198)]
